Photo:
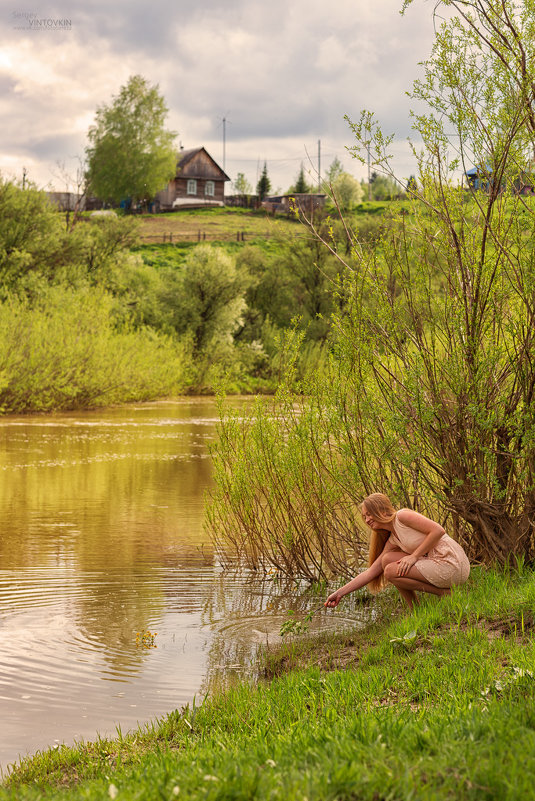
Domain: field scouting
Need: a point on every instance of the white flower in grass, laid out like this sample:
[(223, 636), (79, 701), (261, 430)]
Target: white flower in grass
[(271, 763), (176, 790), (113, 792), (209, 778)]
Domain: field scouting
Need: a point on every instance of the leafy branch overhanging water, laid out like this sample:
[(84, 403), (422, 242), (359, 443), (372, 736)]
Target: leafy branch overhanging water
[(429, 393)]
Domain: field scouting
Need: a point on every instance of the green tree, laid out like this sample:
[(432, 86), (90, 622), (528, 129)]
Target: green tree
[(36, 249), (301, 187), (242, 185), (347, 190), (130, 153), (449, 296), (431, 395), (295, 281), (208, 297), (264, 184), (31, 236), (412, 186), (335, 170), (384, 187)]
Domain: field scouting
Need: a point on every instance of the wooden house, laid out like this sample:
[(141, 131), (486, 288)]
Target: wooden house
[(479, 178), (199, 181), (67, 201)]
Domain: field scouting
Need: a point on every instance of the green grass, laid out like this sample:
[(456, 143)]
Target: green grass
[(224, 224), (438, 704), (216, 224)]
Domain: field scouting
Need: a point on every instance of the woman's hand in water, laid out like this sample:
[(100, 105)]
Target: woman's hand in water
[(333, 599)]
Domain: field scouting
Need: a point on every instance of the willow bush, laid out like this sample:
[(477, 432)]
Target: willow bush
[(279, 496), (66, 352), (429, 396)]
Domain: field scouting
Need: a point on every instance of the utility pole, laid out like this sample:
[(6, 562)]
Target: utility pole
[(24, 173), (224, 141), (369, 175), (319, 166), (223, 123)]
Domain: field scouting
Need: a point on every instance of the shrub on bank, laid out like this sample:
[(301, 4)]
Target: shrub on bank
[(66, 353), (430, 396)]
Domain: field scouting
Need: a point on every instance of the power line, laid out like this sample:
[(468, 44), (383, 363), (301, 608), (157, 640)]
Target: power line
[(268, 159)]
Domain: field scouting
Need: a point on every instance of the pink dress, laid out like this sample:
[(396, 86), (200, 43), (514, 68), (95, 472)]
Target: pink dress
[(444, 565)]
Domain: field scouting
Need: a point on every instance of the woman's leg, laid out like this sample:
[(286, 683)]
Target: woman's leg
[(407, 593), (412, 581)]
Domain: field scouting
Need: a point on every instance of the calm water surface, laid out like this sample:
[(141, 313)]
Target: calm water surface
[(102, 538)]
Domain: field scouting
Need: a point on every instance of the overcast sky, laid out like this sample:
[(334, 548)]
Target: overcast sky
[(283, 75)]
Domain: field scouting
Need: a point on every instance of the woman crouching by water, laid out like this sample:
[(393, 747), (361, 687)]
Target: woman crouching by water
[(409, 550)]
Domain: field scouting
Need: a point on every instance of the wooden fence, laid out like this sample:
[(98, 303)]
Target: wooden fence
[(174, 237)]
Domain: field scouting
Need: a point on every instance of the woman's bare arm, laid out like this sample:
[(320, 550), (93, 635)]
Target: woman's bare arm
[(357, 583)]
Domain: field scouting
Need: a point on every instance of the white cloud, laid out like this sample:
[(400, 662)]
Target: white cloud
[(284, 75), (332, 56)]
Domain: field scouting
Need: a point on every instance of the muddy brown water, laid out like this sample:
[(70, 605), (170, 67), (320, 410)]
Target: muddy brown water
[(101, 540)]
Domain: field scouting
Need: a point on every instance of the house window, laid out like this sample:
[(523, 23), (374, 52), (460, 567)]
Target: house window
[(192, 186), (209, 188)]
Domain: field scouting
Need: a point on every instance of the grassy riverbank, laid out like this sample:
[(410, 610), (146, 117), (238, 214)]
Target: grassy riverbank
[(437, 704)]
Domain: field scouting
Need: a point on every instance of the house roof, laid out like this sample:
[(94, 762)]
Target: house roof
[(474, 172), (185, 156)]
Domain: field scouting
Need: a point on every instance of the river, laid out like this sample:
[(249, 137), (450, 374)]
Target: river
[(114, 608)]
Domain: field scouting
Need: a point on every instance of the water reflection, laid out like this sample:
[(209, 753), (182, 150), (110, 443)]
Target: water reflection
[(102, 537)]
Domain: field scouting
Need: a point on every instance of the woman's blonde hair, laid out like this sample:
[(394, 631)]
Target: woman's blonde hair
[(381, 509)]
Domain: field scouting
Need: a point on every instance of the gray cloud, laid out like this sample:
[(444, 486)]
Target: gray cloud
[(283, 74), (48, 147)]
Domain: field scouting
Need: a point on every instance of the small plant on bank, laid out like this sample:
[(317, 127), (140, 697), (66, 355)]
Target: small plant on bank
[(517, 678), (409, 641), (296, 627)]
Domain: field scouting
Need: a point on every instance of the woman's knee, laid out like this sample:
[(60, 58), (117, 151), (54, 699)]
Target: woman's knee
[(391, 571), (390, 557)]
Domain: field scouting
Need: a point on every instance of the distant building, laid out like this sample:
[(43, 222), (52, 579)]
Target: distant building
[(481, 178), (524, 184), (67, 201), (305, 203), (199, 182), (243, 201)]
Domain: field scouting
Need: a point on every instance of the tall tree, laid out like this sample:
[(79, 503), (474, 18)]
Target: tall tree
[(431, 396), (347, 190), (130, 153), (264, 184), (301, 187), (412, 186), (242, 185), (452, 319), (335, 170), (208, 299)]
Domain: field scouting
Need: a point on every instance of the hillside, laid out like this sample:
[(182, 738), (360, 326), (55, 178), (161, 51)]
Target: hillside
[(216, 224)]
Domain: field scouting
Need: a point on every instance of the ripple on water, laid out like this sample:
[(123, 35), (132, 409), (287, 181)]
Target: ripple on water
[(266, 626), (55, 657)]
